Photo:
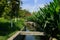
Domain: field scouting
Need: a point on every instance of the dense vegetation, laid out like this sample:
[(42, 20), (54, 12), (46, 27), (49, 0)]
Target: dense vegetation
[(48, 20), (12, 17)]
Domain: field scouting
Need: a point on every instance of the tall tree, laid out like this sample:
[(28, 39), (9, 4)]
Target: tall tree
[(15, 4)]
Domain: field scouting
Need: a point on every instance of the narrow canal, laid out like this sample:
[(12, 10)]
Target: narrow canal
[(29, 37)]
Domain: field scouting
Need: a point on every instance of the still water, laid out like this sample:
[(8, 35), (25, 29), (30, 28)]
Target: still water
[(29, 37), (32, 37)]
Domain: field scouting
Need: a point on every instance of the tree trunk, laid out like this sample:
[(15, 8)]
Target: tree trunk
[(11, 23)]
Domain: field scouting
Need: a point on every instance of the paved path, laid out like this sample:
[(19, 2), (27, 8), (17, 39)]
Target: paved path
[(13, 36)]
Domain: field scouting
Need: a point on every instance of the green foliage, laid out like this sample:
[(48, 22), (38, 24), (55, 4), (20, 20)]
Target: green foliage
[(48, 19), (9, 8), (2, 6), (3, 20), (6, 29), (24, 13), (20, 23)]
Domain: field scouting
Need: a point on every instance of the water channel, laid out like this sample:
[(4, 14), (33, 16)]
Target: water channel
[(31, 37)]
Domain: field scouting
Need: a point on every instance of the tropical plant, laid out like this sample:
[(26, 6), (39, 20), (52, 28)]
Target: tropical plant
[(48, 19)]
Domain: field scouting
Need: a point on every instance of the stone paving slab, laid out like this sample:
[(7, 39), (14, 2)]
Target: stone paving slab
[(26, 33), (31, 33)]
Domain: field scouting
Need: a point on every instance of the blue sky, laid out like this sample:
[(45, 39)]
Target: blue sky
[(33, 5)]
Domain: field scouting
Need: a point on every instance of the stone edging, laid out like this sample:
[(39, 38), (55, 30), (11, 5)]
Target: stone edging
[(15, 35)]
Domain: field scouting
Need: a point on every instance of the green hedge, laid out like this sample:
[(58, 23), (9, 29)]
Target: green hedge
[(5, 26)]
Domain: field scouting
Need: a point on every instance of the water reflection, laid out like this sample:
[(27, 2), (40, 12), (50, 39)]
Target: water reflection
[(29, 37), (32, 37)]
